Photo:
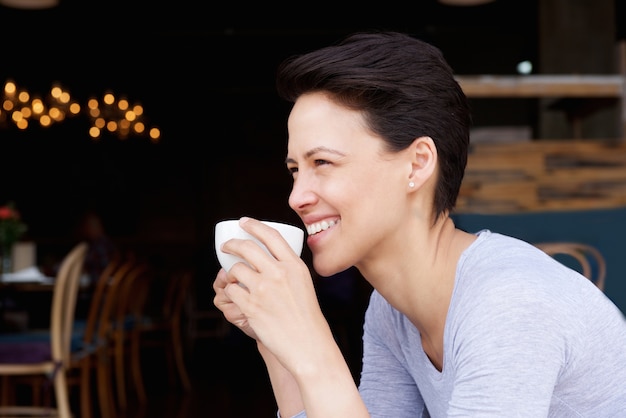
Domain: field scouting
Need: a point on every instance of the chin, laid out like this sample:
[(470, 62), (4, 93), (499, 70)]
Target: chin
[(327, 268)]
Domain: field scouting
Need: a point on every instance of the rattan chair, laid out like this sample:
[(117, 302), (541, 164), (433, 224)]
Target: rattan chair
[(46, 354), (163, 328), (91, 349), (587, 259), (112, 380)]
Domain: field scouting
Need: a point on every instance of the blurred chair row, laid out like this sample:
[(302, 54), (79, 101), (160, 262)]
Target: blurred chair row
[(584, 258), (132, 307)]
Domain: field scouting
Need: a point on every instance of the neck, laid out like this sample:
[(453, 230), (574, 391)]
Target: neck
[(420, 282)]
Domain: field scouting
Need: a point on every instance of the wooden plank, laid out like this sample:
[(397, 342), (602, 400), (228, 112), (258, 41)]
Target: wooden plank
[(528, 86), (544, 175)]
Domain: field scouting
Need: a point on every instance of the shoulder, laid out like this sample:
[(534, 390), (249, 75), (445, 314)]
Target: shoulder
[(505, 284), (501, 263)]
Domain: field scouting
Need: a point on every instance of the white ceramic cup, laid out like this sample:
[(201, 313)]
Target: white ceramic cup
[(225, 230)]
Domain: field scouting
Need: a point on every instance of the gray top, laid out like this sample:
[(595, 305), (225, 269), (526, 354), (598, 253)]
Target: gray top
[(525, 336)]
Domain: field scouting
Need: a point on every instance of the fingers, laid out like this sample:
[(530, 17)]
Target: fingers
[(267, 247), (258, 264), (226, 293), (221, 280), (270, 237)]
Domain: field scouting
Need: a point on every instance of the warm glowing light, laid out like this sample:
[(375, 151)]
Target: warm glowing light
[(30, 4), (10, 88), (38, 106), (56, 92), (23, 96), (115, 115), (109, 99), (94, 132), (55, 113), (64, 98), (45, 120), (130, 115)]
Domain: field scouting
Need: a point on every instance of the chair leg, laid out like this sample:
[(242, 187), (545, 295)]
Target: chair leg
[(62, 395), (135, 355), (105, 387), (85, 387), (36, 390), (176, 341), (4, 390), (120, 376)]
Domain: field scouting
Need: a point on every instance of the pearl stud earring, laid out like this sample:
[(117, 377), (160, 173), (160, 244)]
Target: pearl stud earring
[(411, 184)]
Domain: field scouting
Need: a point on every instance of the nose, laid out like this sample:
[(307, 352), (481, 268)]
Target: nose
[(302, 194)]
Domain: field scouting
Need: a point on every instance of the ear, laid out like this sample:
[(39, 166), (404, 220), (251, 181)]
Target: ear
[(423, 154)]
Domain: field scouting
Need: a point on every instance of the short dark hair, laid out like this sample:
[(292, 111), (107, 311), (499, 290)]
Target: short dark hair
[(405, 89)]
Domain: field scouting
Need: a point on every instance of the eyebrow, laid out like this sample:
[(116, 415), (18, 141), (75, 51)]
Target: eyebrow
[(314, 151)]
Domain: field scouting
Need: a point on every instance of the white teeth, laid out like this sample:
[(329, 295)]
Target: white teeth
[(320, 226)]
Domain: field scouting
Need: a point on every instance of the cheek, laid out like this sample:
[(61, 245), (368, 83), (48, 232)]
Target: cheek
[(341, 194), (366, 189), (383, 197)]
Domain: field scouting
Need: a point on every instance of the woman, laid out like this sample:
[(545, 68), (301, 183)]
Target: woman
[(458, 324)]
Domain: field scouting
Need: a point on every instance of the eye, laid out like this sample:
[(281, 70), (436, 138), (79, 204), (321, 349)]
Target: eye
[(292, 170), (321, 162)]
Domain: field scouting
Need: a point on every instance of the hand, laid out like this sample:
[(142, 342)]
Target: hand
[(231, 312), (277, 304)]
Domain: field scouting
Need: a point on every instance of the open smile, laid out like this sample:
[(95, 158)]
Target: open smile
[(313, 229)]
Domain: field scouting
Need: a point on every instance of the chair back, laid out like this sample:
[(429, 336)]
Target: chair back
[(64, 303), (131, 296), (591, 262), (96, 306), (177, 292), (110, 299)]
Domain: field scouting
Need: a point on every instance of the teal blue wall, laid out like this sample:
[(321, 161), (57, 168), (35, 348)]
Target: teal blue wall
[(604, 229)]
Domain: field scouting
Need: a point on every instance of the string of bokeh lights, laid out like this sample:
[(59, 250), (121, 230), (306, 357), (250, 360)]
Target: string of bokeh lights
[(110, 114)]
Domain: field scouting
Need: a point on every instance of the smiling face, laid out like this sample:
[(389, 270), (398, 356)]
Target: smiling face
[(350, 193)]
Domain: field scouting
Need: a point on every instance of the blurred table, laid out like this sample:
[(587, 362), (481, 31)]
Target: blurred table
[(25, 300)]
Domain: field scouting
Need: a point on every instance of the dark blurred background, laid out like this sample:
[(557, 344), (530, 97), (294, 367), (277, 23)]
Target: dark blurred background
[(205, 76), (204, 73)]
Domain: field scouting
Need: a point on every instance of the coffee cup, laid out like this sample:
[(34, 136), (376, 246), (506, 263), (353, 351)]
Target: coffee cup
[(228, 229)]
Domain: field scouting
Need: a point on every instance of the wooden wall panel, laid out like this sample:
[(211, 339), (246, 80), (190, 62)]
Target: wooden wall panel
[(542, 175)]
